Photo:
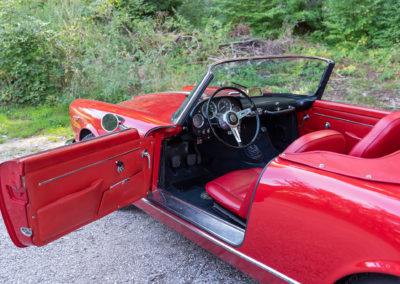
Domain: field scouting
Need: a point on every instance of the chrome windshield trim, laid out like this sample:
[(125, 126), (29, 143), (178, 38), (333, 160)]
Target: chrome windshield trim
[(342, 119), (222, 244), (199, 90)]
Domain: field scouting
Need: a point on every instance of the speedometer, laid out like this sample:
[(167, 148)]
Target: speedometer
[(224, 105), (198, 120), (212, 109)]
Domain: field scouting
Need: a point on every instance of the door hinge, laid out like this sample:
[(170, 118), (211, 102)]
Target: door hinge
[(26, 231)]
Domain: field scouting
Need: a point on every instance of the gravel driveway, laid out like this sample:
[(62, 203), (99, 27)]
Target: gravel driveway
[(127, 246)]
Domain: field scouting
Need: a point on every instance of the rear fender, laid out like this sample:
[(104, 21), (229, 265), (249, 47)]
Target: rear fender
[(370, 266)]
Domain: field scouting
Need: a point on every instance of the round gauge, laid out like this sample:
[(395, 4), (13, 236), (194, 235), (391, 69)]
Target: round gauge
[(198, 120), (236, 109), (224, 105), (212, 110)]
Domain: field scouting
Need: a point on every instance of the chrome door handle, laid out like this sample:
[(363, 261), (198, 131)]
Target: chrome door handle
[(305, 118), (147, 155)]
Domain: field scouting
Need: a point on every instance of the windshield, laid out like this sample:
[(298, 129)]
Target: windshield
[(289, 75), (297, 76)]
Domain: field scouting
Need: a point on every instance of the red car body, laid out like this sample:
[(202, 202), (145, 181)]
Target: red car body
[(307, 223)]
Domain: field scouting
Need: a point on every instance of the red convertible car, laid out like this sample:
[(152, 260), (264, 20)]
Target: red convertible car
[(249, 163)]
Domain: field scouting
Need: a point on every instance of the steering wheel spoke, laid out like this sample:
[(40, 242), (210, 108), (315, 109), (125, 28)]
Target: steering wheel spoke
[(236, 133), (244, 112)]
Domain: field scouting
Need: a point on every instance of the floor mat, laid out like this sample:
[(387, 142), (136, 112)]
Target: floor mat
[(187, 185), (196, 195)]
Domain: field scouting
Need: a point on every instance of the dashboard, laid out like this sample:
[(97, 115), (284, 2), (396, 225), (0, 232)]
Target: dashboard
[(267, 105)]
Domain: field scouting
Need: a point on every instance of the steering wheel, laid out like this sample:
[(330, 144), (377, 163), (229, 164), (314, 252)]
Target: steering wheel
[(231, 120)]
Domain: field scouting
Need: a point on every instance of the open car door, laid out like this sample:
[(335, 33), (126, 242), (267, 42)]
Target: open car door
[(50, 194)]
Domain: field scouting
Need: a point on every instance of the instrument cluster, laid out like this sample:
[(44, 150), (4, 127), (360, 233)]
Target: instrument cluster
[(217, 108)]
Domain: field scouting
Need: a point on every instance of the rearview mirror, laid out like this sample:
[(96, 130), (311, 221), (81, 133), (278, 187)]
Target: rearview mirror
[(253, 92)]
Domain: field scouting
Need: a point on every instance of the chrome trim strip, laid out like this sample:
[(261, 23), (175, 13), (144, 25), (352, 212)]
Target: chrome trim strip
[(86, 167), (225, 246), (342, 119), (180, 119), (120, 182), (222, 229)]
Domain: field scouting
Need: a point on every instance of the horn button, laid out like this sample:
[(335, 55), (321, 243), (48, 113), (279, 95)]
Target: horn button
[(231, 118)]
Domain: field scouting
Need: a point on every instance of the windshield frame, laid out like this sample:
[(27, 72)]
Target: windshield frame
[(181, 114)]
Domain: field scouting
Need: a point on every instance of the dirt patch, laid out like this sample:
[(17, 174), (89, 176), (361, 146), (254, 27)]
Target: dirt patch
[(18, 147)]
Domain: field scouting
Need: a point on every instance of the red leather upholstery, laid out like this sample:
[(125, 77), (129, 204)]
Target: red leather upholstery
[(383, 139), (234, 190), (322, 140)]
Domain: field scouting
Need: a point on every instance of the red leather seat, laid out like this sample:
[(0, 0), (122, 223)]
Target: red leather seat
[(322, 140), (234, 190), (383, 138)]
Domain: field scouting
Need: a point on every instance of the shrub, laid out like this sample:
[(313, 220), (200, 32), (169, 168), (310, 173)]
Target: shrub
[(30, 67), (372, 23)]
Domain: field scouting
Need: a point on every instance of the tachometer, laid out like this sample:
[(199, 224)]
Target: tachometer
[(224, 105), (198, 121), (212, 110)]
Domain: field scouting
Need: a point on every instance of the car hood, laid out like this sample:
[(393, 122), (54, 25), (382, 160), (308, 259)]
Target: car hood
[(159, 105)]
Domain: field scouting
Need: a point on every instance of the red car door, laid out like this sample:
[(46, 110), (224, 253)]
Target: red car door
[(50, 194)]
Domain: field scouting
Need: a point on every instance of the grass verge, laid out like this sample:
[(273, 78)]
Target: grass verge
[(22, 122)]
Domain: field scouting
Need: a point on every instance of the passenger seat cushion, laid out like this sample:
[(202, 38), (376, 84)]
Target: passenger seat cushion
[(322, 140), (234, 190), (383, 139)]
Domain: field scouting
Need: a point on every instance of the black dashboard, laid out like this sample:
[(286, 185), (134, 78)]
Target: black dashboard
[(267, 105)]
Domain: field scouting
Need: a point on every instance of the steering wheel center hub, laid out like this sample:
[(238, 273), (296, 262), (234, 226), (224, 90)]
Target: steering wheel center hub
[(231, 118)]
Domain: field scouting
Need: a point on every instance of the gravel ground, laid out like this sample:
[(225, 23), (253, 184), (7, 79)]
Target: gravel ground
[(127, 246)]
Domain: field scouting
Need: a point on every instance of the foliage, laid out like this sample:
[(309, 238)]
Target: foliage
[(30, 65), (361, 22), (267, 17), (52, 52)]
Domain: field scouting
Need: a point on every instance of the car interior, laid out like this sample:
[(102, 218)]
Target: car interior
[(208, 179), (198, 170)]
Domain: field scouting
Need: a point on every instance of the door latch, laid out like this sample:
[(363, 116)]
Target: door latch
[(147, 155), (305, 118)]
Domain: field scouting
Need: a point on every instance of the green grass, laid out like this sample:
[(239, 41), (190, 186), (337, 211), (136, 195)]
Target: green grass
[(22, 122)]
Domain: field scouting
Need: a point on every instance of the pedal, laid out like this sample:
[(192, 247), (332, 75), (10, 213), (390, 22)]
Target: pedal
[(176, 161), (191, 160)]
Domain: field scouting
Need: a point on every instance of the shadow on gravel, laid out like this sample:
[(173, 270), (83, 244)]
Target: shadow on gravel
[(131, 208)]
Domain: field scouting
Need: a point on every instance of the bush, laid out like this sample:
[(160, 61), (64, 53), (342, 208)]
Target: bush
[(371, 23), (266, 17), (30, 65)]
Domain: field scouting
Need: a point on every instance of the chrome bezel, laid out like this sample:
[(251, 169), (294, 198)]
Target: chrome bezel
[(222, 101), (202, 120), (109, 116), (204, 109)]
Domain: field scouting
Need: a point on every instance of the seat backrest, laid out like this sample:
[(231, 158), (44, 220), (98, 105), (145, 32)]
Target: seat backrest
[(383, 139), (322, 140)]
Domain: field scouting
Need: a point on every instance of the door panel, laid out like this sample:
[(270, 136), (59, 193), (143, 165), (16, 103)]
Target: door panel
[(61, 190), (353, 121)]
